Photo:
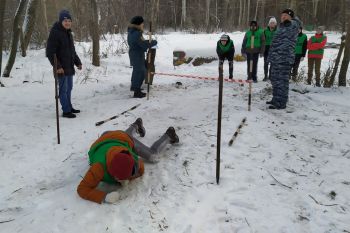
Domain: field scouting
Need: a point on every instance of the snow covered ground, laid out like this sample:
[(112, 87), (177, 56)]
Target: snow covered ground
[(305, 147)]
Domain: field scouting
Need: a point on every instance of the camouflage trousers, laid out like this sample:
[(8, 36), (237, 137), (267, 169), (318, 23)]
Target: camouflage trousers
[(280, 84)]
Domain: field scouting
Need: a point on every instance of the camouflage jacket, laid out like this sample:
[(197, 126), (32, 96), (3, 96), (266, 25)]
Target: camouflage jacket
[(282, 48)]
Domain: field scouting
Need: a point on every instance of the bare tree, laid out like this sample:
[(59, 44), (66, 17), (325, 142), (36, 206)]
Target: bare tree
[(2, 13), (248, 11), (183, 14), (207, 14), (256, 10), (94, 30), (328, 82), (346, 59), (15, 37), (240, 13), (44, 12), (315, 7), (29, 23)]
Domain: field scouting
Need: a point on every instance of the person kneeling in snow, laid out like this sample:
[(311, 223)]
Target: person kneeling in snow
[(114, 157)]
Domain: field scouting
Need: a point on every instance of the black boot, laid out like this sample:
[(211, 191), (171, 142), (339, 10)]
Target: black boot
[(139, 94), (139, 127), (69, 115), (172, 135), (75, 110)]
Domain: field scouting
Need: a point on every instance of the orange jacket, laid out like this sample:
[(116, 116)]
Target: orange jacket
[(87, 187)]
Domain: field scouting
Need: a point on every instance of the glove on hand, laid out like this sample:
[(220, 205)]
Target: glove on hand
[(124, 182), (112, 197)]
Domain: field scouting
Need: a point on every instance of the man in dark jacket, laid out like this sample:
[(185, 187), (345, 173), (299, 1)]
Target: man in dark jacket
[(226, 50), (253, 45), (137, 48), (281, 56), (61, 43), (300, 52)]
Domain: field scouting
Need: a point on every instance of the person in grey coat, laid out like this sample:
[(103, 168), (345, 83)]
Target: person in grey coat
[(281, 56)]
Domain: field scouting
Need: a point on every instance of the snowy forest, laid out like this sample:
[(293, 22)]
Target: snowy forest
[(95, 18)]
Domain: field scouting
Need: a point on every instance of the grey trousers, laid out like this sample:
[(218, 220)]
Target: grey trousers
[(148, 153)]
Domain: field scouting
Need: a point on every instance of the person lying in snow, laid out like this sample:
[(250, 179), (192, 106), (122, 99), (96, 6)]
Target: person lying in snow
[(115, 157)]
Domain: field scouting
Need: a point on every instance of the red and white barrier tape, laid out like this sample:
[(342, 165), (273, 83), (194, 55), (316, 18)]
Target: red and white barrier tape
[(204, 78)]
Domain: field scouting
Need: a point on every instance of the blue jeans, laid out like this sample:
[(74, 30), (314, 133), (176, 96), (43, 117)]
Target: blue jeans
[(138, 75), (65, 90)]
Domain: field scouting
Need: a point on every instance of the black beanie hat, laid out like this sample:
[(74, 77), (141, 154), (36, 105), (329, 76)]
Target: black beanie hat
[(253, 23), (64, 14), (289, 12), (137, 20)]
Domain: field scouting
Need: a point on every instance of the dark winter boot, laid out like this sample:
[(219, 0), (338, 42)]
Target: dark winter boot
[(139, 94), (230, 69), (172, 135), (139, 127), (269, 102), (318, 81), (275, 107), (133, 89), (309, 80), (75, 110), (69, 115)]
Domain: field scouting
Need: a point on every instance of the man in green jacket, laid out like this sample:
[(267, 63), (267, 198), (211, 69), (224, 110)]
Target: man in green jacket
[(300, 52), (253, 45), (226, 50)]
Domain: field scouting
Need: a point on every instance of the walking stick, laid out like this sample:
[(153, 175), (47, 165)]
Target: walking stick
[(149, 60), (114, 117), (218, 146), (56, 98), (251, 73), (237, 131)]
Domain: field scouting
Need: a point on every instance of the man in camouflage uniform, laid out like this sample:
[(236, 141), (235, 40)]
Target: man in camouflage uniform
[(281, 56)]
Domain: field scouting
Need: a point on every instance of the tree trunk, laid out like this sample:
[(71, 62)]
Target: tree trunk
[(248, 11), (343, 13), (244, 14), (2, 14), (183, 14), (94, 31), (256, 10), (329, 83), (240, 13), (29, 23), (154, 13), (346, 59), (174, 14), (15, 37), (207, 15), (44, 11), (315, 7)]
